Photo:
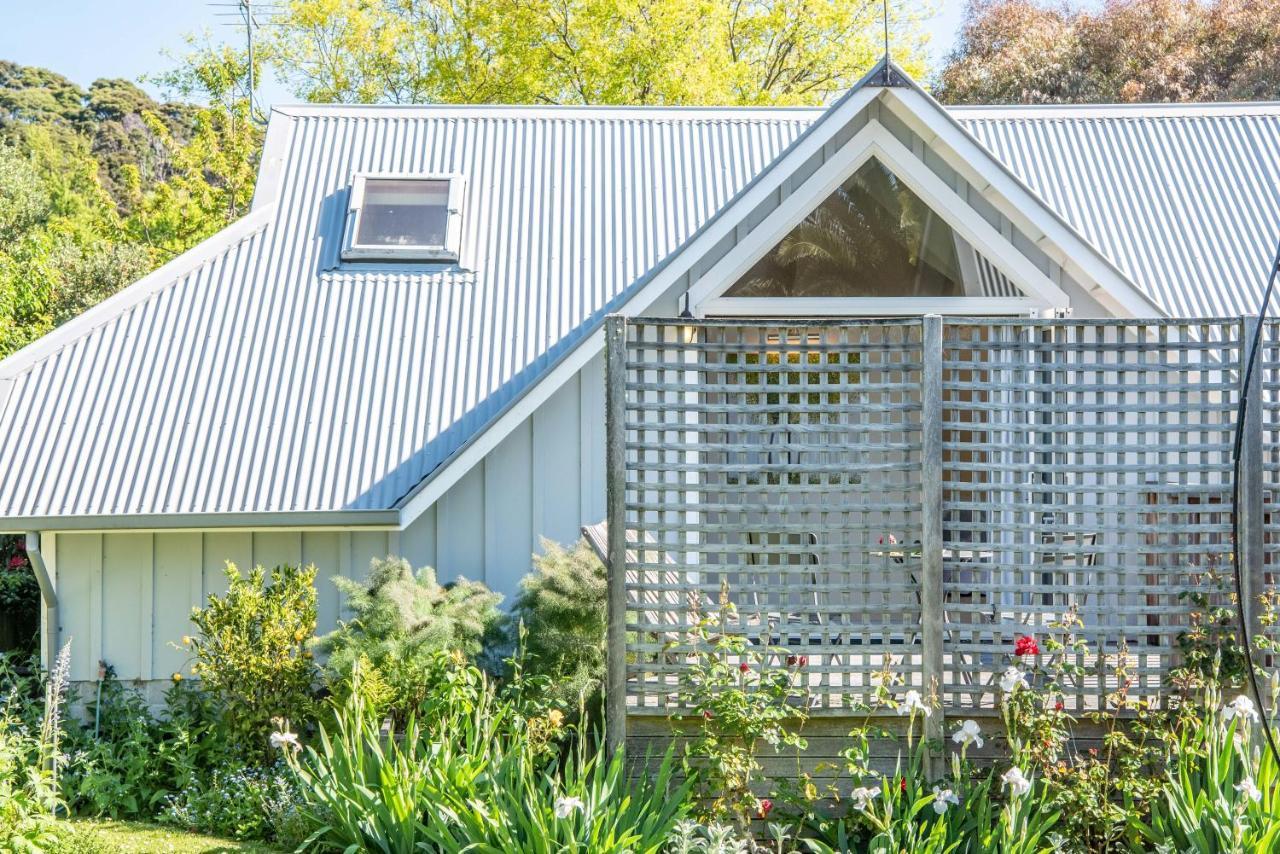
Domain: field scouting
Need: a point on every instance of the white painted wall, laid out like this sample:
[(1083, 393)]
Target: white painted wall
[(125, 598)]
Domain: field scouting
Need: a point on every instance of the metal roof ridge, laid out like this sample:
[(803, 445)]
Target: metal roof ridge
[(602, 111), (1135, 111)]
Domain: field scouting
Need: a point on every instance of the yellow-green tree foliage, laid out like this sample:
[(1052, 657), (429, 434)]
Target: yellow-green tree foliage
[(100, 186), (587, 51)]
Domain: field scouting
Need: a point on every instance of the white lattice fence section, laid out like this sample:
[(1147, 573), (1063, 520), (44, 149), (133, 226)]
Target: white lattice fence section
[(912, 496), (1088, 472), (779, 465)]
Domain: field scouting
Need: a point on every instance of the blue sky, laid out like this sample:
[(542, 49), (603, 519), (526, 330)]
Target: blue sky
[(88, 39)]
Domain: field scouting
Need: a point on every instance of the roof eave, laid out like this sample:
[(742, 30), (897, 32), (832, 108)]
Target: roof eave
[(293, 520)]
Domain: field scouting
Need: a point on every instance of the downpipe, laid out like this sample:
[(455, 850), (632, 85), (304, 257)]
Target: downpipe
[(48, 597)]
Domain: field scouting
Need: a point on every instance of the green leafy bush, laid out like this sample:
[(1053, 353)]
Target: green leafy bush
[(252, 653), (241, 802), (127, 762), (562, 608), (29, 763), (740, 697), (1222, 793), (480, 770), (403, 621), (19, 594)]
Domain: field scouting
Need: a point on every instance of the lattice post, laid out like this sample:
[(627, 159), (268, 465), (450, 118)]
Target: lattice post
[(616, 571), (1252, 531), (931, 596)]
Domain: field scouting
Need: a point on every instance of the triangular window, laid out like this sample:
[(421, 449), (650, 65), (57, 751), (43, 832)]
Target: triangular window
[(872, 237)]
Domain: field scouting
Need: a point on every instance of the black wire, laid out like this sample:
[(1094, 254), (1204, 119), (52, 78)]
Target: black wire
[(1241, 408)]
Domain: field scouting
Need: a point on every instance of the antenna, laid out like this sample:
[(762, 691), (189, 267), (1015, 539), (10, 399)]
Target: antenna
[(888, 58), (248, 14)]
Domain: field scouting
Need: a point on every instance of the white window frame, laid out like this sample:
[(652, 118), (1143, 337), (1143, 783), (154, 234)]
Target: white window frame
[(448, 252)]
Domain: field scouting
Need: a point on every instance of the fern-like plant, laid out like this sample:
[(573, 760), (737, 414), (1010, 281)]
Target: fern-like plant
[(403, 620), (562, 607)]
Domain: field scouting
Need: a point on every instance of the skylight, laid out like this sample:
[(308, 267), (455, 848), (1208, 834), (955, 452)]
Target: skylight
[(403, 217)]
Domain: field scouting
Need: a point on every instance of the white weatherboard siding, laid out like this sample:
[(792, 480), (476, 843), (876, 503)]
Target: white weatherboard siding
[(125, 597)]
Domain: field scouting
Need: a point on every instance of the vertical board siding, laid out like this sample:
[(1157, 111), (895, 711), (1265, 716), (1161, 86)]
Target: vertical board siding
[(508, 489), (277, 548), (126, 574), (126, 597), (591, 446), (460, 528), (177, 560), (556, 454), (418, 541), (321, 549), (80, 600), (366, 546), (219, 548)]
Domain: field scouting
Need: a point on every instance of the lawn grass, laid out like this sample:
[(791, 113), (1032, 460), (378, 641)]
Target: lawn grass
[(133, 837)]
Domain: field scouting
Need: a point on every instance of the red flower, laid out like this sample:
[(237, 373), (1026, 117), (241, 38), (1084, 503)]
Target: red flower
[(902, 784), (706, 714), (744, 667), (1026, 645), (766, 806), (1057, 707), (797, 660), (17, 561)]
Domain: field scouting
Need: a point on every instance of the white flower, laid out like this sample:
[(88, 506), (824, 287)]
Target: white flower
[(969, 733), (1249, 788), (942, 799), (1012, 679), (281, 740), (1017, 782), (1240, 707), (862, 797), (566, 806), (913, 702)]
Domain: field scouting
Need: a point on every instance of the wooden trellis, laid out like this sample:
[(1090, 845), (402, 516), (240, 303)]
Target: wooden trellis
[(910, 496)]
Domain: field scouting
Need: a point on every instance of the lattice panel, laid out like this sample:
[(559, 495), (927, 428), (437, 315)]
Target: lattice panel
[(1087, 466), (778, 463), (1268, 396)]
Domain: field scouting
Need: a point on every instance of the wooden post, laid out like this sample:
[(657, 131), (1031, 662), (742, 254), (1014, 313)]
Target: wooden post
[(1251, 545), (931, 597), (616, 569)]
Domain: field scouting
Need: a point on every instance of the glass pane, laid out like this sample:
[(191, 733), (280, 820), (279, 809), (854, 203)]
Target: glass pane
[(404, 212), (873, 237)]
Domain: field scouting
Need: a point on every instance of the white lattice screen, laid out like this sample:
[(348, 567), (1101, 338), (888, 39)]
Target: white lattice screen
[(1085, 465)]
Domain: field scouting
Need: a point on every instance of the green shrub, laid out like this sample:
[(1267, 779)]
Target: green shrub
[(1222, 792), (29, 763), (19, 599), (562, 607), (126, 762), (479, 770), (403, 621), (252, 653), (240, 802)]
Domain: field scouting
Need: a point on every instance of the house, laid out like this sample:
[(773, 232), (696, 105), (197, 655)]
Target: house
[(399, 349)]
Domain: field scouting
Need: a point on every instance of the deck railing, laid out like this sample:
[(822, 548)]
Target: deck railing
[(910, 496)]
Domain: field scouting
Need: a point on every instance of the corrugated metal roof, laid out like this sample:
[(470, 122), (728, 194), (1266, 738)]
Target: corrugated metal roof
[(275, 379), (270, 378), (1185, 200)]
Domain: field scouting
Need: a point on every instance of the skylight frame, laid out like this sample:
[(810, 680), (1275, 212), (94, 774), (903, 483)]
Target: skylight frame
[(447, 252)]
